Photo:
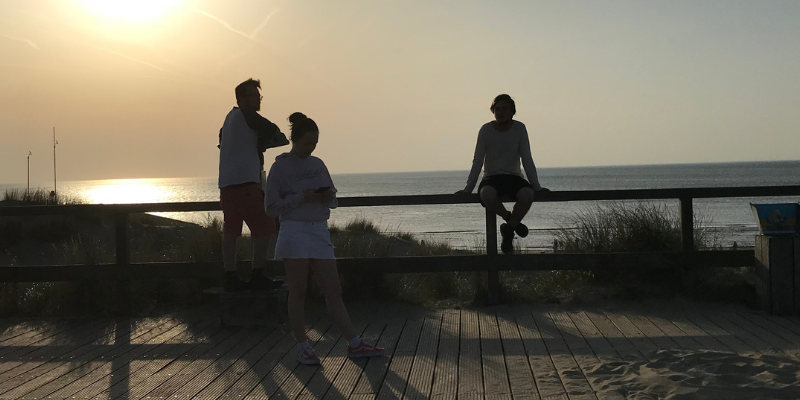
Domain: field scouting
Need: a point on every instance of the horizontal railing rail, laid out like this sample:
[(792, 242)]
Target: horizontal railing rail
[(490, 262)]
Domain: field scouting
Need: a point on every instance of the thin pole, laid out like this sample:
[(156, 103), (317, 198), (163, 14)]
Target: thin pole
[(29, 172), (55, 180)]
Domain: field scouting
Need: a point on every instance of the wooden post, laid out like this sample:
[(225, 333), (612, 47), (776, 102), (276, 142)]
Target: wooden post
[(775, 267), (687, 224), (121, 231), (123, 260), (493, 279)]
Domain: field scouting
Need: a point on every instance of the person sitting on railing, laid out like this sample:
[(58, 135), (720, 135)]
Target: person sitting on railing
[(300, 190), (501, 145), (244, 136)]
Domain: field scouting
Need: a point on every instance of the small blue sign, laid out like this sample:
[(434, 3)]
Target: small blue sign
[(776, 219)]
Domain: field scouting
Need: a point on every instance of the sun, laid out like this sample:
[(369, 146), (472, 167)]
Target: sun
[(131, 11)]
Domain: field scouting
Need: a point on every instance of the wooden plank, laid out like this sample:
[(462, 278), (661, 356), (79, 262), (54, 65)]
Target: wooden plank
[(770, 325), (332, 351), (445, 379), (601, 382), (351, 371), (729, 340), (594, 338), (100, 347), (470, 374), (75, 377), (394, 384), (646, 347), (621, 344), (493, 362), (420, 379), (573, 379), (767, 336), (31, 355), (548, 382), (16, 328), (368, 201), (520, 376), (370, 382), (672, 332), (704, 339), (125, 375), (46, 359), (781, 273), (731, 328), (202, 372), (22, 344), (662, 340), (66, 371), (104, 371), (272, 366), (686, 223), (286, 365), (242, 365)]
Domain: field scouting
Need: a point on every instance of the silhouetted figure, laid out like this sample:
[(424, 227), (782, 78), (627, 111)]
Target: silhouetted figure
[(502, 143), (300, 190), (244, 136)]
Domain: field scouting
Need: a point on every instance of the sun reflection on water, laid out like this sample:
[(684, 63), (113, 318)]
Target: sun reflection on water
[(126, 191)]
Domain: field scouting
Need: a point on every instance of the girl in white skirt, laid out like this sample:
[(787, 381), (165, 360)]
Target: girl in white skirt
[(300, 191)]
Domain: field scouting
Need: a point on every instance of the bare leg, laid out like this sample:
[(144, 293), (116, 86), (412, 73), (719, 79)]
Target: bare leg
[(259, 251), (327, 277), (521, 207), (229, 251), (492, 202), (297, 276)]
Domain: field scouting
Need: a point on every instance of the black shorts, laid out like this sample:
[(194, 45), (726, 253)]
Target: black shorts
[(505, 185)]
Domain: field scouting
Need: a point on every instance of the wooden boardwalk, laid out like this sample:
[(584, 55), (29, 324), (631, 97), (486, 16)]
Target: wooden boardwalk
[(506, 352)]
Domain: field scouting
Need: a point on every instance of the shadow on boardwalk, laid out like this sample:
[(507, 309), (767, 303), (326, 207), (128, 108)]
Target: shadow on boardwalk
[(648, 350)]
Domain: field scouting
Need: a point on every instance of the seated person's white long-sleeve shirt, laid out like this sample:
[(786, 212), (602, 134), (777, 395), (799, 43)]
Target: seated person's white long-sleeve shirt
[(499, 153)]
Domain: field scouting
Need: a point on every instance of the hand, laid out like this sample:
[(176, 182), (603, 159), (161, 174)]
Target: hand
[(462, 191), (309, 196)]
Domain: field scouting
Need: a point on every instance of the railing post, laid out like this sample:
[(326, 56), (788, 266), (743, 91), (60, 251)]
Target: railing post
[(121, 233), (687, 224), (492, 280), (123, 260)]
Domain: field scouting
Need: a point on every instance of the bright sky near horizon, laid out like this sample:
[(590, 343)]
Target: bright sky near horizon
[(139, 88)]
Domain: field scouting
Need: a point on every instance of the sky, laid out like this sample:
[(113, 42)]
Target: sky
[(140, 88)]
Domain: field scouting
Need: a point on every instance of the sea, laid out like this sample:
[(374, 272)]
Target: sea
[(462, 226)]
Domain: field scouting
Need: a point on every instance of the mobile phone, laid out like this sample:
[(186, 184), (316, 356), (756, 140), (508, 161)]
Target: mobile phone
[(322, 189)]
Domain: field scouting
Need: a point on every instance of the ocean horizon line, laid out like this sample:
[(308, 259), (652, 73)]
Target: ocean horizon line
[(466, 171)]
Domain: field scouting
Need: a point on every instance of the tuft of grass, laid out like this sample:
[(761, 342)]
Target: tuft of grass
[(38, 196), (639, 227)]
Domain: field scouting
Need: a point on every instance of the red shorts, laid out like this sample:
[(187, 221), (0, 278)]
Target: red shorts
[(245, 203)]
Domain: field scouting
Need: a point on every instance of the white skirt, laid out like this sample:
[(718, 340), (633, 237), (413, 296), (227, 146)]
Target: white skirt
[(301, 239)]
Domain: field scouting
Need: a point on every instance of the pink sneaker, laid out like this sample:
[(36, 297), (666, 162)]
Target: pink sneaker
[(364, 350), (307, 356)]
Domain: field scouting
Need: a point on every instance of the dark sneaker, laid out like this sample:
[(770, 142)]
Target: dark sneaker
[(521, 230), (364, 350), (259, 282), (507, 245), (235, 285)]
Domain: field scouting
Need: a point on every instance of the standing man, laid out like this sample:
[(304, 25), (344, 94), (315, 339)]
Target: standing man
[(244, 137), (502, 143)]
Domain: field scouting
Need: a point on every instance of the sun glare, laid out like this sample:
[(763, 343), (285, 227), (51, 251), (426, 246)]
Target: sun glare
[(131, 11)]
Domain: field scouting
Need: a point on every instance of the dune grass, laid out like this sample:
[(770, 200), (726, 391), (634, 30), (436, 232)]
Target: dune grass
[(37, 196)]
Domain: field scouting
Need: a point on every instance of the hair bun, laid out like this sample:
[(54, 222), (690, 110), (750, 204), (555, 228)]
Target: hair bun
[(297, 117)]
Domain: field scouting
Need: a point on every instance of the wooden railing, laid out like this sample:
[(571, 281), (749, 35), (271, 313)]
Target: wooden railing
[(491, 262)]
